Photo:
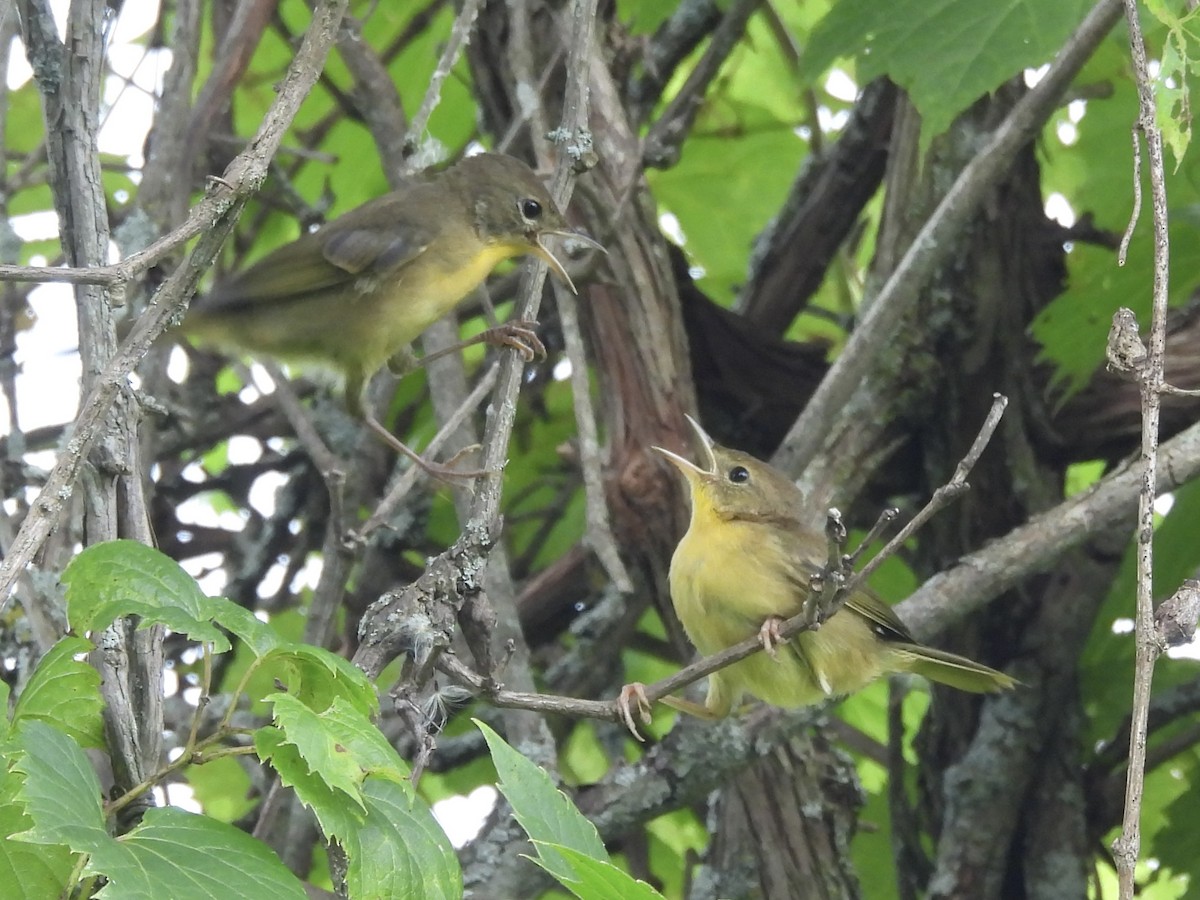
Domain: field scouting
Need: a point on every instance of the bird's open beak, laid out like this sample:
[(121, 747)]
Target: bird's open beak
[(540, 250), (687, 467)]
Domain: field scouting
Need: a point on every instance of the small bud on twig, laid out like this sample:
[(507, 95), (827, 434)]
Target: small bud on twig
[(1175, 619), (1125, 351)]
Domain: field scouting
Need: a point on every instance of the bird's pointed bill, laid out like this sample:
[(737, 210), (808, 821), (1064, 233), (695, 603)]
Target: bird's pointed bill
[(706, 445), (543, 253)]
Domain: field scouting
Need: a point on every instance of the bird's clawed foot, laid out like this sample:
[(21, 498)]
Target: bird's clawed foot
[(520, 336), (633, 696), (769, 637), (441, 471)]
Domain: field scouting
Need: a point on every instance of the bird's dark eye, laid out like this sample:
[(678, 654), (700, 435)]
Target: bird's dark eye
[(739, 474), (530, 209)]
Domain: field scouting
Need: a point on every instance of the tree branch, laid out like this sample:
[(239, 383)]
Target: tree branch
[(212, 219), (931, 246), (1127, 847)]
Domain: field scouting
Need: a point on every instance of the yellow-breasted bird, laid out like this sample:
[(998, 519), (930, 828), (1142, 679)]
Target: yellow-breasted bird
[(357, 292), (744, 565)]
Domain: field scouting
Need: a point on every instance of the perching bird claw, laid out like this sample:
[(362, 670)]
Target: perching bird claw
[(769, 636), (631, 695), (520, 336)]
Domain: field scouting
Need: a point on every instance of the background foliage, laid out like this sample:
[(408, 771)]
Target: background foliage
[(758, 171)]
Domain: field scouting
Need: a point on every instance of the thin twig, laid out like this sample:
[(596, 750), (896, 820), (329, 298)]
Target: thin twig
[(100, 275), (882, 524), (488, 689), (405, 482), (314, 445), (1123, 250), (1147, 649), (1165, 388), (661, 146), (599, 533), (689, 23), (459, 35), (943, 496)]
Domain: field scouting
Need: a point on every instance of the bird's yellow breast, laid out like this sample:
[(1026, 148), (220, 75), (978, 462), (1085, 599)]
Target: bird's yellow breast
[(430, 287), (403, 306), (727, 577)]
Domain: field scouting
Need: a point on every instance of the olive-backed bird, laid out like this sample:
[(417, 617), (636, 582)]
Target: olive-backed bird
[(357, 292), (745, 564)]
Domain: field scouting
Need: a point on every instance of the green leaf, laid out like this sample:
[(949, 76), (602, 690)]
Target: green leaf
[(65, 693), (1172, 83), (327, 756), (27, 871), (317, 678), (222, 788), (746, 179), (596, 879), (260, 637), (1172, 110), (123, 578), (319, 742), (184, 856), (338, 819), (542, 810), (400, 851), (61, 792), (945, 53)]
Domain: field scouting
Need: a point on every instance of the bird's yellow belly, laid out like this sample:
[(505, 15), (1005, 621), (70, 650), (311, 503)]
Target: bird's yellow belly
[(360, 325), (400, 310), (726, 586)]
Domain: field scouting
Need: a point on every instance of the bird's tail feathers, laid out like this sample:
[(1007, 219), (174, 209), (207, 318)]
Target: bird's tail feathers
[(954, 670)]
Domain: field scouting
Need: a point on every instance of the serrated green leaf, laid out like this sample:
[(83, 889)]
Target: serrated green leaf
[(400, 851), (123, 578), (945, 53), (61, 793), (543, 810), (27, 871), (183, 856), (335, 815), (65, 693), (339, 747), (363, 740), (319, 743), (596, 879), (317, 678)]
